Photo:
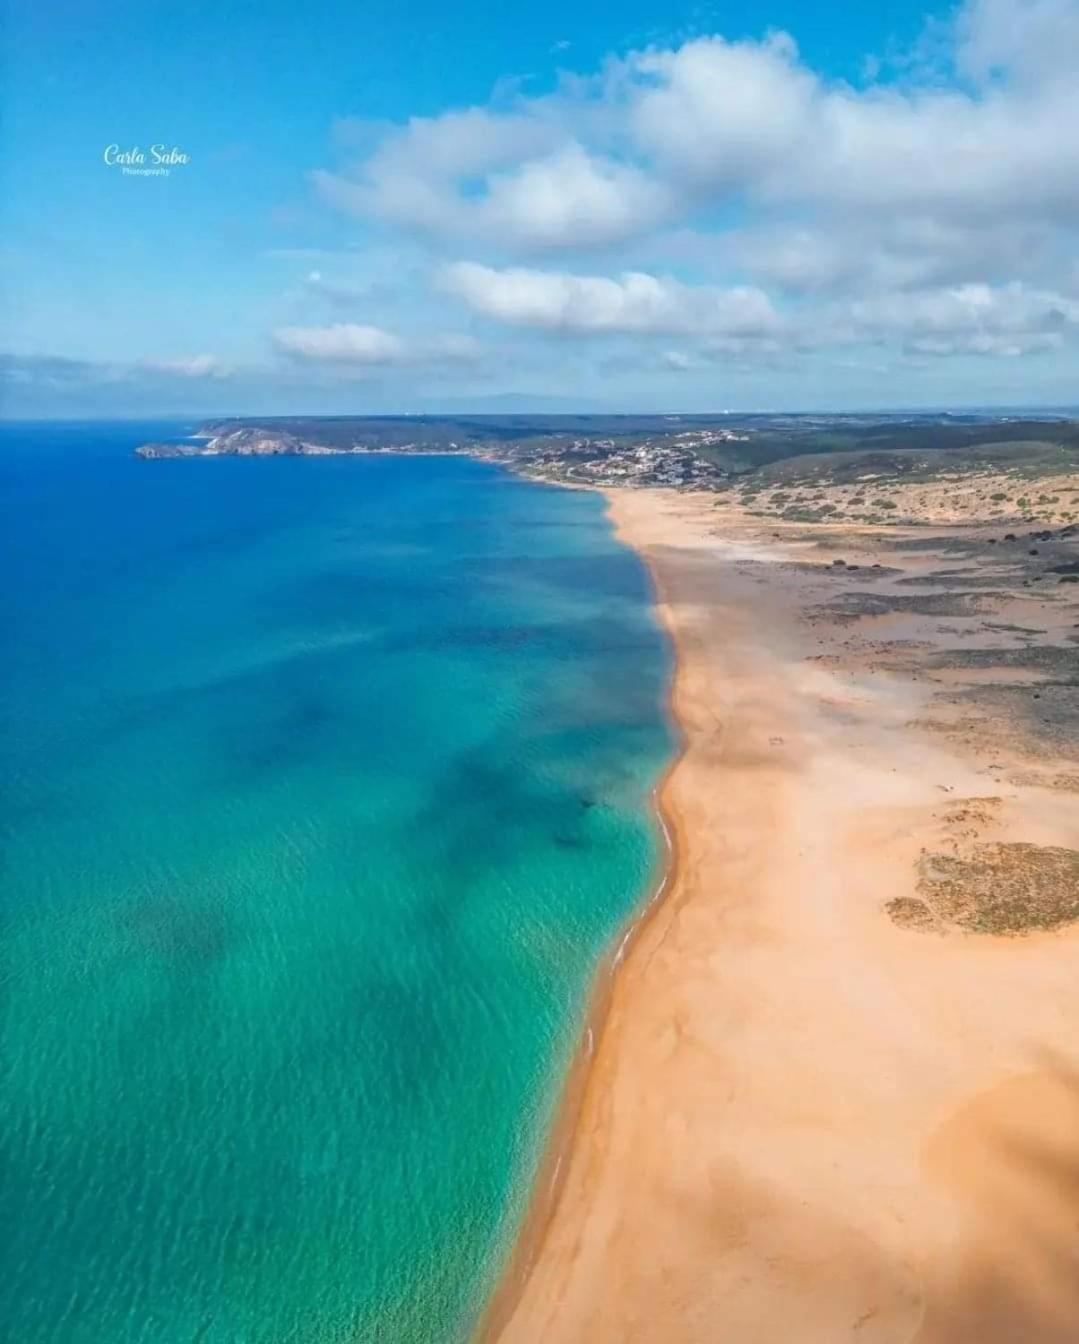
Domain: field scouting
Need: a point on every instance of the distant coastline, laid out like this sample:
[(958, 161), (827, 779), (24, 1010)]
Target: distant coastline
[(656, 450), (715, 453)]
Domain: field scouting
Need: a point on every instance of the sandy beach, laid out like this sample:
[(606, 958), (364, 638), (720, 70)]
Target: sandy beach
[(836, 1091)]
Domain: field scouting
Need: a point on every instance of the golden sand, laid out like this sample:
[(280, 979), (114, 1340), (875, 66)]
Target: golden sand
[(806, 1122)]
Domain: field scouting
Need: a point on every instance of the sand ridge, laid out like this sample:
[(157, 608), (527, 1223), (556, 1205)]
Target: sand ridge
[(806, 1121)]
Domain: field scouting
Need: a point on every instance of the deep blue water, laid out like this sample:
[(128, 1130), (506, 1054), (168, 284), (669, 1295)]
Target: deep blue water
[(327, 782)]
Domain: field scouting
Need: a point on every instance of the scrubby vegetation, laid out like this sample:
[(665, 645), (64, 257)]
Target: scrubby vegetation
[(1000, 888)]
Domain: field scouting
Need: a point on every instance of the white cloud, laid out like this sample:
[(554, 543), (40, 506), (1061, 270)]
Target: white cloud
[(572, 198), (634, 302), (750, 119), (352, 344), (1033, 41), (738, 201), (341, 343), (972, 319), (1010, 319), (720, 116), (420, 175), (561, 197), (663, 134), (897, 254)]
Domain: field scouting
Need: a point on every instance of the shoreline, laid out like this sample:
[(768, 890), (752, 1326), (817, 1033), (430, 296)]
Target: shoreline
[(733, 1147), (553, 1166)]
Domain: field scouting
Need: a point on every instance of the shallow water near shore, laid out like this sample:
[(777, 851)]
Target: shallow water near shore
[(328, 784)]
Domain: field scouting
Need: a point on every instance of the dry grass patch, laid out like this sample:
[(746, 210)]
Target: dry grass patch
[(910, 913), (1000, 888)]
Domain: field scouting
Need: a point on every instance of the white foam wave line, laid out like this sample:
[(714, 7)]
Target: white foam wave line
[(661, 888)]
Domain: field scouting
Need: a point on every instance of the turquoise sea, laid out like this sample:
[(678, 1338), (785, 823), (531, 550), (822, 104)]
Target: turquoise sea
[(326, 784)]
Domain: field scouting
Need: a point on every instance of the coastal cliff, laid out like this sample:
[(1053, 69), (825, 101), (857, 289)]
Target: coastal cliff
[(244, 442)]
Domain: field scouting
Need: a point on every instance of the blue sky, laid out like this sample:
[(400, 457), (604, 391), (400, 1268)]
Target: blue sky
[(408, 207)]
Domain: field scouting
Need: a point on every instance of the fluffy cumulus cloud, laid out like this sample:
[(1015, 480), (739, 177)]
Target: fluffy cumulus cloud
[(350, 344), (932, 210), (573, 197), (1011, 319), (632, 302), (750, 119), (341, 343), (563, 196), (661, 134)]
